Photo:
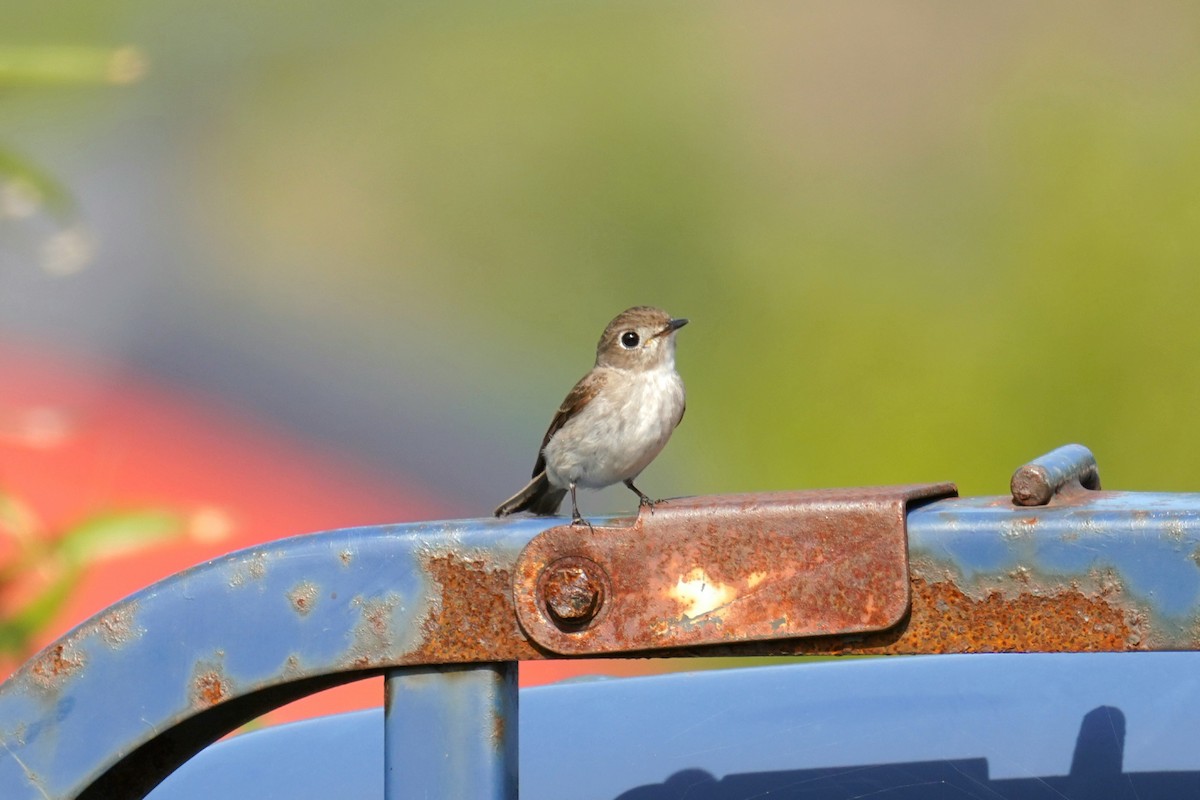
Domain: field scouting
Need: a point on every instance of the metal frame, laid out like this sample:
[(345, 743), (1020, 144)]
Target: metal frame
[(119, 702)]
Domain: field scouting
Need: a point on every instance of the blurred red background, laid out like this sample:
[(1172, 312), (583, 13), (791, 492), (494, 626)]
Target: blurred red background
[(77, 438)]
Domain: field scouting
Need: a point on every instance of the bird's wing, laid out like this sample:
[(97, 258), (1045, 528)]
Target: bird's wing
[(577, 399)]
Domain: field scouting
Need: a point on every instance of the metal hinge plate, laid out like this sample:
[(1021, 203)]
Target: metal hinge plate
[(721, 569)]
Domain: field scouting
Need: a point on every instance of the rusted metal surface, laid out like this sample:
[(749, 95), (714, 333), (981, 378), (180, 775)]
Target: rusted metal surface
[(573, 591), (945, 619), (118, 702), (1095, 571), (722, 569), (55, 665), (1107, 570), (1070, 468), (210, 684), (123, 698), (471, 616), (303, 596), (1068, 619)]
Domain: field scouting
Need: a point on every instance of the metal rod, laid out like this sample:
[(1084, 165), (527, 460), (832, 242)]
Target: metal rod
[(451, 732), (1036, 483)]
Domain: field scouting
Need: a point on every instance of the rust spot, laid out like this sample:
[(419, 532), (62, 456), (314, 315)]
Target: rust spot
[(346, 557), (253, 568), (115, 627), (291, 667), (472, 617), (1031, 486), (1016, 528), (372, 635), (498, 726), (375, 614), (1108, 581), (303, 597), (55, 664), (946, 620), (209, 685), (208, 690)]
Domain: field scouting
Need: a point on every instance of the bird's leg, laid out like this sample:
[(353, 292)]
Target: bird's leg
[(643, 499), (576, 517)]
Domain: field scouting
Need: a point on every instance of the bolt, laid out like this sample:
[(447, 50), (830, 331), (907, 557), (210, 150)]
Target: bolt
[(572, 591)]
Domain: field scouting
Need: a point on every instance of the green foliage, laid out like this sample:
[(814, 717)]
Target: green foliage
[(27, 190), (40, 569), (68, 65)]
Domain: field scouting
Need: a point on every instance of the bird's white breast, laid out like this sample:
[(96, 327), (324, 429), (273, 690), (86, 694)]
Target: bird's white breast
[(616, 435)]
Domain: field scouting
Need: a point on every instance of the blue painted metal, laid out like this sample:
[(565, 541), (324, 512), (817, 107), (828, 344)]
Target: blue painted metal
[(451, 732), (1036, 483), (1137, 553), (192, 657), (984, 726), (113, 706), (326, 758)]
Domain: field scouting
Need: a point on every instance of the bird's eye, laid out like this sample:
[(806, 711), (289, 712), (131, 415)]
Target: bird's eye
[(629, 340)]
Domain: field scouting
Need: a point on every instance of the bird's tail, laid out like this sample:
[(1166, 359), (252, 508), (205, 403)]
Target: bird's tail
[(538, 496)]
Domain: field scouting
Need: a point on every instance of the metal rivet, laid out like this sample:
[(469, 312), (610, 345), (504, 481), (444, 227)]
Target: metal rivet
[(572, 590)]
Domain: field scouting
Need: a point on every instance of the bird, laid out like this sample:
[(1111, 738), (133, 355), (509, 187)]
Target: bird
[(615, 420)]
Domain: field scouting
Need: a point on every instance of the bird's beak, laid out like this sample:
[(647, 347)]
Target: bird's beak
[(672, 326)]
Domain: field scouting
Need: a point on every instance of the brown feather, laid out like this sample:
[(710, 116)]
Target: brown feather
[(536, 496), (576, 400)]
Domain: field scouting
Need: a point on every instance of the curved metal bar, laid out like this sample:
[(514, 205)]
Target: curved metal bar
[(120, 701), (155, 678)]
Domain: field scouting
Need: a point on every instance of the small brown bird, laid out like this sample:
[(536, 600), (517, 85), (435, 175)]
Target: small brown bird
[(616, 419)]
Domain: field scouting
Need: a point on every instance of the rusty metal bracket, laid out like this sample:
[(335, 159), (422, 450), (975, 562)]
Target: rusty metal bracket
[(722, 569)]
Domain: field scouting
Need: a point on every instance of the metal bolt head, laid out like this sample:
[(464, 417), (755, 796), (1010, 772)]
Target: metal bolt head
[(573, 592)]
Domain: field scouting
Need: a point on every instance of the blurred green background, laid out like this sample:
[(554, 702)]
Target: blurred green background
[(917, 241)]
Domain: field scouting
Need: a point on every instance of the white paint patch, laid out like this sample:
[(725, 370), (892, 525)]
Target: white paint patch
[(699, 595)]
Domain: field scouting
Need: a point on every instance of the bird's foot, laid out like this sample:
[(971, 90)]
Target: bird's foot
[(644, 500)]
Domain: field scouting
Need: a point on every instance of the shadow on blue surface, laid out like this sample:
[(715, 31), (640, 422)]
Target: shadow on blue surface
[(1096, 774), (983, 727)]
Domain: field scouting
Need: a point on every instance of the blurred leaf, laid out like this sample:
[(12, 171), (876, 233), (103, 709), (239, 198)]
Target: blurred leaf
[(25, 189), (55, 565), (16, 518), (110, 535), (70, 65), (17, 631)]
